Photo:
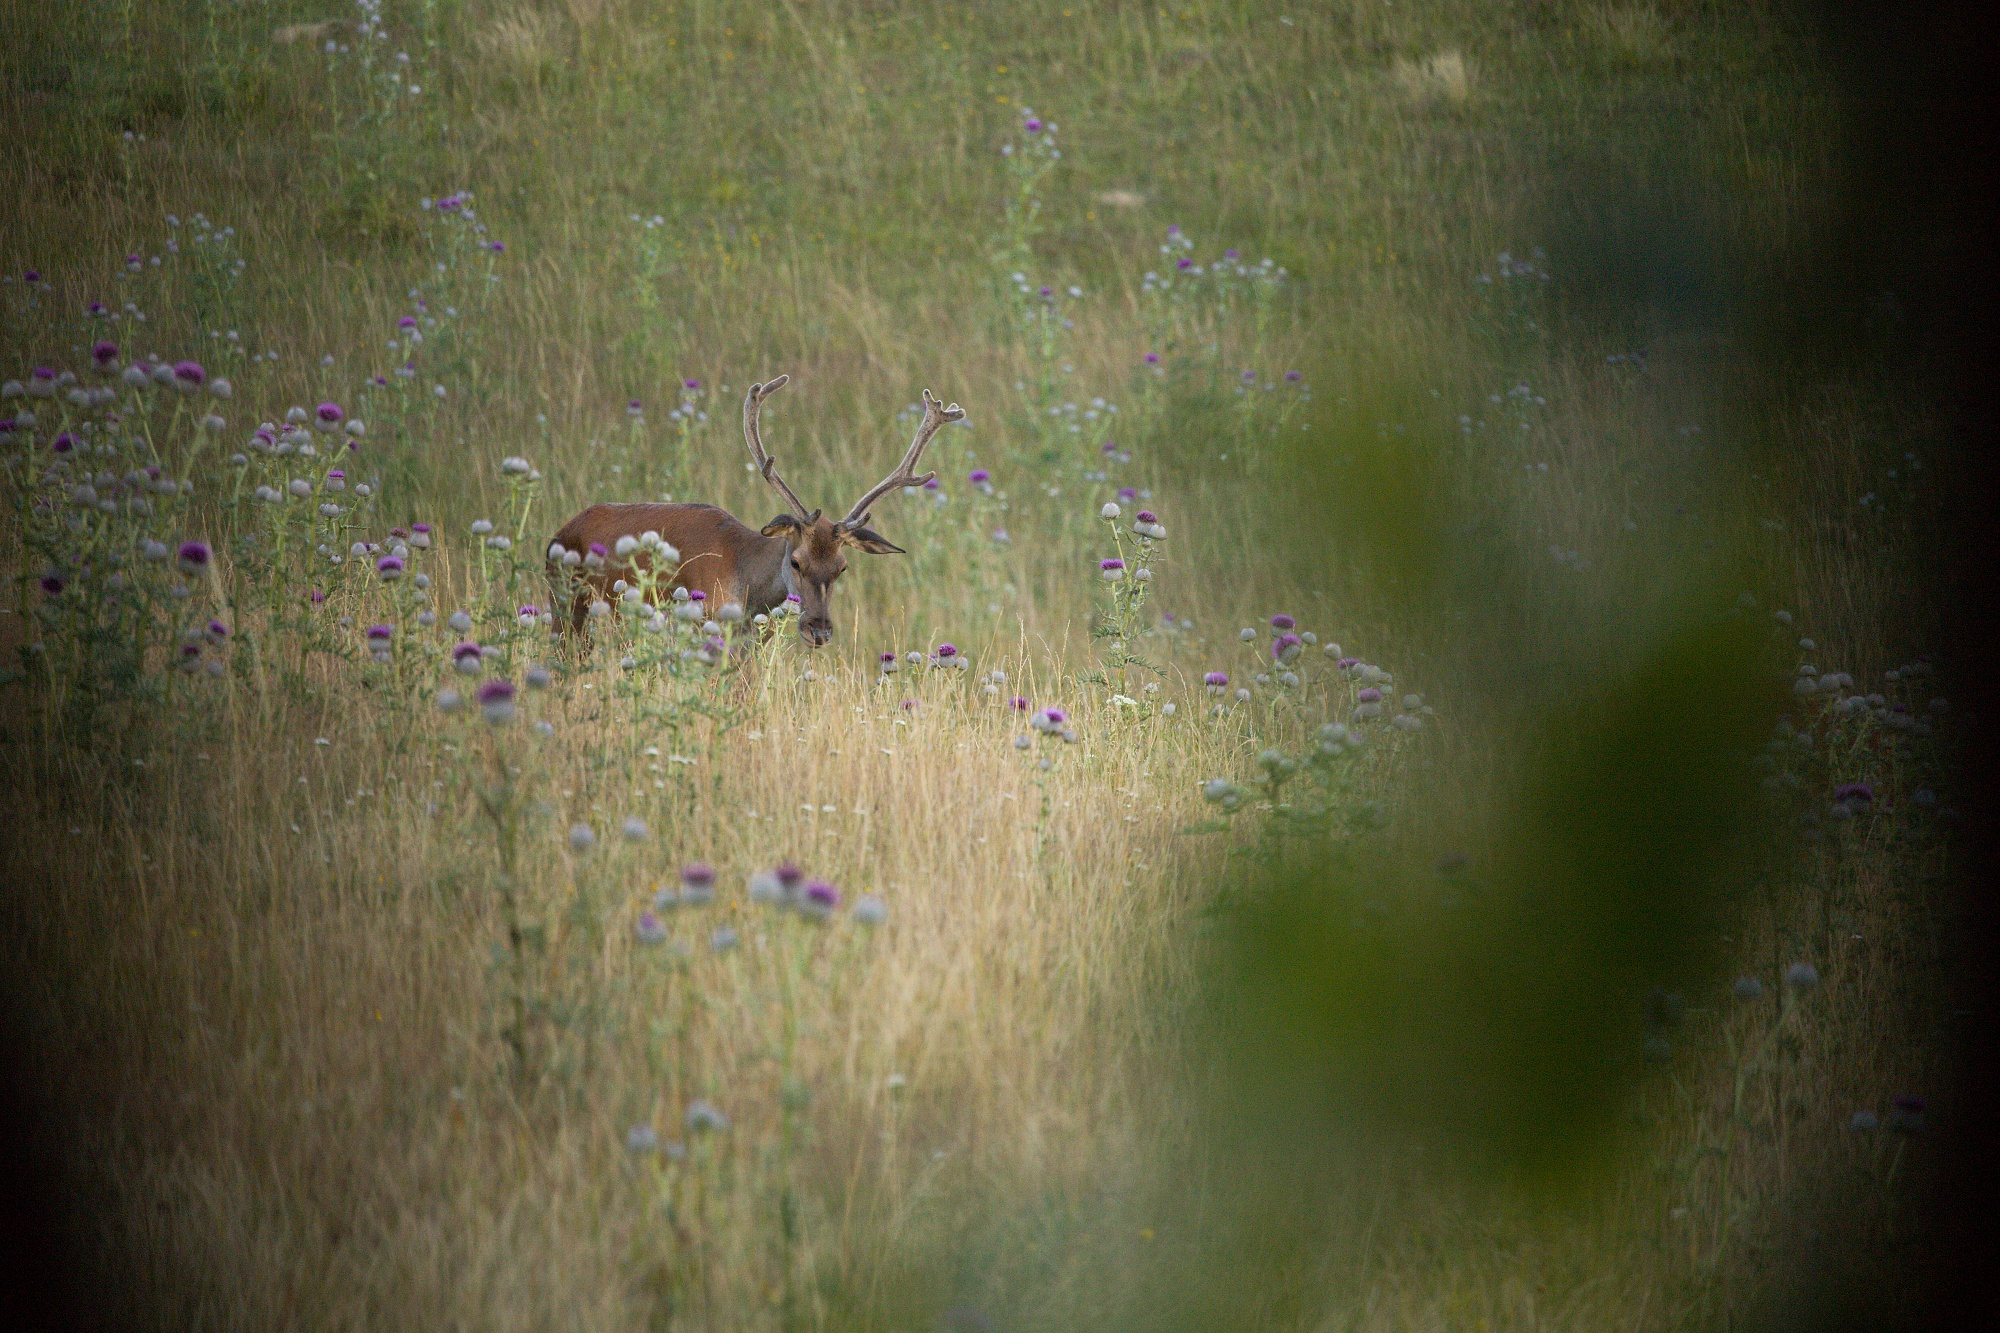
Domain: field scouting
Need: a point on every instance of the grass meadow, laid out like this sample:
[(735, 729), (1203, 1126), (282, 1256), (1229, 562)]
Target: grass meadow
[(1477, 859)]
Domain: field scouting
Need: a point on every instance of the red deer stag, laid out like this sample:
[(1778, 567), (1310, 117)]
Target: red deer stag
[(796, 553)]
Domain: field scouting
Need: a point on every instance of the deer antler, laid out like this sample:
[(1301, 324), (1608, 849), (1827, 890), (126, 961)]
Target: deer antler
[(766, 466), (936, 414)]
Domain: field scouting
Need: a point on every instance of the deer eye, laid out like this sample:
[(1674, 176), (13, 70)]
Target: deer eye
[(795, 562)]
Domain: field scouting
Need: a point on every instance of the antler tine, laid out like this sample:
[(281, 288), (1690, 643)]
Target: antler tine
[(936, 414), (766, 467)]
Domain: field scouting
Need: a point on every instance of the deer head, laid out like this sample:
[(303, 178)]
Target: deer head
[(816, 546)]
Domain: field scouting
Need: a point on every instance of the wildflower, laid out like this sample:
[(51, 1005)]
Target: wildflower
[(648, 927), (1369, 696), (1000, 537), (105, 354), (1748, 988), (702, 1117), (538, 677), (643, 1138), (1281, 623), (818, 900), (1801, 976), (327, 418), (1152, 358), (947, 655), (460, 621), (194, 556), (765, 887), (581, 838), (870, 910), (515, 466), (496, 701), (697, 884), (979, 476), (890, 664), (217, 632), (1110, 510), (634, 829), (1023, 742), (1247, 634), (390, 568), (377, 634), (1286, 647), (420, 536), (52, 584), (1111, 570), (187, 375), (1294, 376), (1148, 525)]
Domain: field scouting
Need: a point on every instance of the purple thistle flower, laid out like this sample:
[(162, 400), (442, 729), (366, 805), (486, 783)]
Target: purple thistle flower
[(1283, 622), (407, 322), (465, 650), (194, 556), (1347, 662), (389, 567), (1032, 125), (1127, 494), (698, 874), (819, 899), (1184, 263), (52, 584), (697, 595), (947, 651), (1152, 358), (1047, 292), (1285, 647), (1371, 695), (381, 632), (933, 484), (1174, 229), (104, 351), (599, 549), (189, 373), (1215, 680), (1019, 703), (1854, 793), (1294, 376), (1249, 377), (495, 693), (62, 443), (1148, 516), (423, 528), (909, 705), (979, 476), (1231, 255), (316, 597), (31, 276), (498, 247), (690, 385), (217, 631), (789, 877), (329, 414), (531, 611)]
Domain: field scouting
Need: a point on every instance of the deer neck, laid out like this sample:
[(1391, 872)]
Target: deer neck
[(767, 576)]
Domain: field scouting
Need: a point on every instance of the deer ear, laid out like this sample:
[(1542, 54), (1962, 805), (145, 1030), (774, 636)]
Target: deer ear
[(870, 541), (784, 525)]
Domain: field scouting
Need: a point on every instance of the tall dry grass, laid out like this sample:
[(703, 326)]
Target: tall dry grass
[(256, 973)]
